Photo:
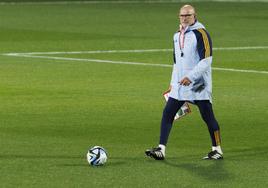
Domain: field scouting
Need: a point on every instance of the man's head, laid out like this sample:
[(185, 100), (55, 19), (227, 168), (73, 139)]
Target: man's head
[(187, 15)]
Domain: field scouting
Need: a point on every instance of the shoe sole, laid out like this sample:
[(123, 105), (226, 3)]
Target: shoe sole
[(207, 158)]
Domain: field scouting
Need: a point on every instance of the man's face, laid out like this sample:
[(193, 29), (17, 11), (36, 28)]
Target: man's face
[(187, 16)]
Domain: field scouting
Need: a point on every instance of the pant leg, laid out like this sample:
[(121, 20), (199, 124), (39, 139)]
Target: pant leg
[(169, 112), (206, 111)]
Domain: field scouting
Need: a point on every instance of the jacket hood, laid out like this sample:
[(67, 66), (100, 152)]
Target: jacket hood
[(196, 25)]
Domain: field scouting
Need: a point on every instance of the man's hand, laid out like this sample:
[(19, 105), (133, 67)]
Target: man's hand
[(185, 81)]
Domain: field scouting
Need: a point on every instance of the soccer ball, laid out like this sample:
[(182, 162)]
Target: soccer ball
[(96, 156)]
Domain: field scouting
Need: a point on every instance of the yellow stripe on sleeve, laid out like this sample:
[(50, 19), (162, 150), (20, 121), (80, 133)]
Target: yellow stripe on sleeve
[(206, 42)]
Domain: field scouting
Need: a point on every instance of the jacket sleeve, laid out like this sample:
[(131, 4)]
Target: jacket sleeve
[(204, 49), (200, 68), (173, 76)]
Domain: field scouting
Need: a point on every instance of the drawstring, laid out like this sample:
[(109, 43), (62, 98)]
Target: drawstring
[(181, 38)]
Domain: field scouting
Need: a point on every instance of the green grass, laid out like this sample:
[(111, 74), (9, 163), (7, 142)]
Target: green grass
[(52, 111)]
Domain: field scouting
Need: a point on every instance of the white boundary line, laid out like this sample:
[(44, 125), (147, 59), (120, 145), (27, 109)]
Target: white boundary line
[(93, 60), (240, 70), (90, 52), (126, 62), (130, 51), (124, 2)]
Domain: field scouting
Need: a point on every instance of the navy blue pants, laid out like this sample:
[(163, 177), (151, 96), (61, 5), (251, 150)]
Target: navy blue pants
[(206, 111)]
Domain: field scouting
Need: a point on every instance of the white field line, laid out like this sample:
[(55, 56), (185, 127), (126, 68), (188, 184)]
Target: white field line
[(240, 70), (131, 63), (91, 52), (131, 51), (98, 2), (93, 60), (123, 2)]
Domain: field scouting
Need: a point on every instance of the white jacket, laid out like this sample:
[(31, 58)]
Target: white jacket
[(195, 63)]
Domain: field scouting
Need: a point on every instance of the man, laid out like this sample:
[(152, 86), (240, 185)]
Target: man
[(191, 81)]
